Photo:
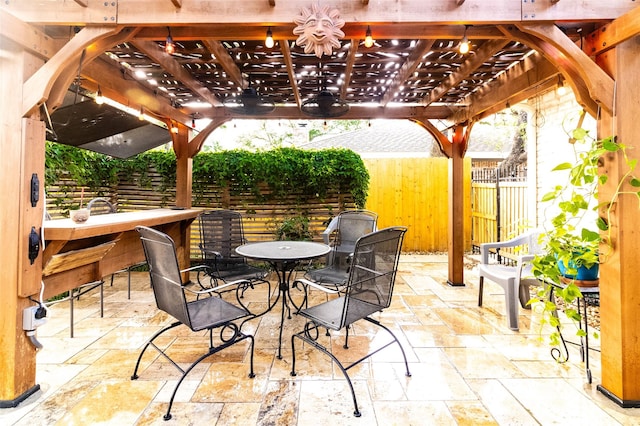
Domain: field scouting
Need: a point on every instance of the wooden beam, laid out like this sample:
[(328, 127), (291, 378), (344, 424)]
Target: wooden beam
[(83, 3), (456, 206), (284, 30), (36, 90), (351, 59), (196, 144), (226, 11), (421, 48), (29, 37), (177, 3), (562, 52), (486, 51), (286, 52), (166, 61), (226, 62), (591, 10), (610, 35)]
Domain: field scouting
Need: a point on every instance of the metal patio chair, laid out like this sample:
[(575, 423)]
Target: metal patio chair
[(206, 313), (368, 290), (514, 279), (221, 232), (341, 234)]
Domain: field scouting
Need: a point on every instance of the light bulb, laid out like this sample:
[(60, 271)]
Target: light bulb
[(465, 45), (368, 39), (99, 97), (268, 42)]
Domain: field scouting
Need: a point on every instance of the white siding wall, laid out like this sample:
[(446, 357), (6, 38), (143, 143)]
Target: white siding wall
[(552, 117)]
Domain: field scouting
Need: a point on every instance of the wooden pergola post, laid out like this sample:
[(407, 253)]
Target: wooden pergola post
[(456, 206), (619, 289), (22, 147)]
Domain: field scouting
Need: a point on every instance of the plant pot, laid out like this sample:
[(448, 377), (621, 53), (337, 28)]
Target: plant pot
[(583, 273), (79, 215)]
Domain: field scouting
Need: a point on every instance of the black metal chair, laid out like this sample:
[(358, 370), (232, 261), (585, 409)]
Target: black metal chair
[(207, 313), (221, 231), (341, 234), (369, 289)]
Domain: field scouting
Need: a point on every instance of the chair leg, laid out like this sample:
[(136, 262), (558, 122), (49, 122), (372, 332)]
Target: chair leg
[(356, 412), (480, 289), (71, 313), (511, 303), (101, 299), (525, 296), (128, 283)]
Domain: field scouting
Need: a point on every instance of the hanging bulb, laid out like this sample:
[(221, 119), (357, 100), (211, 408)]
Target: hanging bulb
[(141, 114), (193, 123), (368, 39), (99, 97), (465, 45), (561, 90), (268, 42), (169, 46)]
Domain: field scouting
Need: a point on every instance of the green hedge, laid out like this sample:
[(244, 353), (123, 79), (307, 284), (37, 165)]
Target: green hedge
[(311, 172)]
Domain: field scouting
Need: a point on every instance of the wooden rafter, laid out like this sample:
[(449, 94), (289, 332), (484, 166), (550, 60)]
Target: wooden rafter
[(166, 61), (522, 81), (83, 3), (129, 91), (177, 3), (351, 59), (421, 48), (481, 55), (286, 51), (223, 58)]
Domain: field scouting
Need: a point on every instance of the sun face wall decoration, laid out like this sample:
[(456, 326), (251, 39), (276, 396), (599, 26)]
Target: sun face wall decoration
[(318, 29)]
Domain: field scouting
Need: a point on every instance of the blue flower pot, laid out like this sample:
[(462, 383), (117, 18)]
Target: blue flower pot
[(584, 273)]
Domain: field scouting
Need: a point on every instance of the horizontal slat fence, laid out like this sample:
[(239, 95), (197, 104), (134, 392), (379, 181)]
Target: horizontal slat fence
[(404, 191)]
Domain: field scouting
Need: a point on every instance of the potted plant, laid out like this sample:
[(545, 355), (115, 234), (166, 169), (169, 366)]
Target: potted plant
[(572, 242)]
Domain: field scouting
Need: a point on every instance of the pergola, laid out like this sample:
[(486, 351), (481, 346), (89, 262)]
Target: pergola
[(413, 71)]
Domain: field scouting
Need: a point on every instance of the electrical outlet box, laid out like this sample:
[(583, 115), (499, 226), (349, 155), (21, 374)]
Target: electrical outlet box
[(33, 317)]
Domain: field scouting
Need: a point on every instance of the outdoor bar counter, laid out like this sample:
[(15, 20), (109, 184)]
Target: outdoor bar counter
[(79, 253)]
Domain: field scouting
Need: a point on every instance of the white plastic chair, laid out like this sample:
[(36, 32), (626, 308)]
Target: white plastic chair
[(515, 280)]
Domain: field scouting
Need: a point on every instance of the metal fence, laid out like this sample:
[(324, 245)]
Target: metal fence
[(498, 204)]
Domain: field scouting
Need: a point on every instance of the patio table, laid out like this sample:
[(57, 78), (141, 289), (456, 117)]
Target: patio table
[(283, 256)]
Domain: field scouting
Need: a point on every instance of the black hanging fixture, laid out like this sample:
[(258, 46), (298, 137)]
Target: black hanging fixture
[(324, 105), (250, 103)]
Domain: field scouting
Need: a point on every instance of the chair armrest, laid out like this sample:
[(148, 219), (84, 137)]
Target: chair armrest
[(314, 285), (333, 225), (219, 288), (513, 242), (217, 254)]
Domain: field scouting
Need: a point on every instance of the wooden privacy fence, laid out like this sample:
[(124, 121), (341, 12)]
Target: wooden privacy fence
[(499, 205), (412, 192)]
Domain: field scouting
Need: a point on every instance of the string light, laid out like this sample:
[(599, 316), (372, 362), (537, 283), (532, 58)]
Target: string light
[(561, 90), (465, 46), (169, 46), (268, 42), (368, 39), (141, 114), (99, 97)]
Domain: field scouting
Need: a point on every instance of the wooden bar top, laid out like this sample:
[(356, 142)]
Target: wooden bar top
[(68, 230)]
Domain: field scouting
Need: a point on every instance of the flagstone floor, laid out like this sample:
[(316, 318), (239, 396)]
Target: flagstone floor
[(467, 367)]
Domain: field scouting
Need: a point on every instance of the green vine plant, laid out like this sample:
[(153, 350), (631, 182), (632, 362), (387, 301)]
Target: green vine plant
[(568, 245)]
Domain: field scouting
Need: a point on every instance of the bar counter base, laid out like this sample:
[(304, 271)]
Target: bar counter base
[(12, 403), (621, 402)]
